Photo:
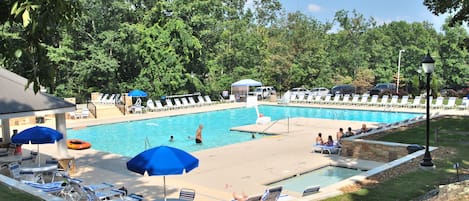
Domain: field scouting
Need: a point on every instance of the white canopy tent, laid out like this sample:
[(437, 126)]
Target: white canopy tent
[(241, 88)]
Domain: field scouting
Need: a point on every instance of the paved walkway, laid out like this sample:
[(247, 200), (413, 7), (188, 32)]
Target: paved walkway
[(243, 167)]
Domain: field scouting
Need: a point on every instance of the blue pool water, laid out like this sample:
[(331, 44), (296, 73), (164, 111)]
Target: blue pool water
[(323, 177), (129, 138)]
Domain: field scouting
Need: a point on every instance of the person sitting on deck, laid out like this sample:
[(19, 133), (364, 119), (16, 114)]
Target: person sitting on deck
[(319, 140), (349, 132), (340, 134), (330, 141)]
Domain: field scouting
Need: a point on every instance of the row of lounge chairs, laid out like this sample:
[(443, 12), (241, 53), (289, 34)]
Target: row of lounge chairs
[(275, 194), (177, 103), (108, 98), (384, 101), (75, 189)]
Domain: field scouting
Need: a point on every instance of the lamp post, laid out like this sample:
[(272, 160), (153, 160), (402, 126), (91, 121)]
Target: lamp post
[(419, 71), (398, 70), (428, 65)]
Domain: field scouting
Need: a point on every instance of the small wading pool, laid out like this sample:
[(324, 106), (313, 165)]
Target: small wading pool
[(323, 177)]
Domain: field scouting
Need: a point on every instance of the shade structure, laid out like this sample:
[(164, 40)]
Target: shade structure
[(137, 93), (241, 88), (37, 135), (247, 82), (163, 160)]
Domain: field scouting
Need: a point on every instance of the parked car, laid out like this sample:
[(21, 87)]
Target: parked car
[(319, 91), (263, 92), (299, 91), (343, 89), (383, 88)]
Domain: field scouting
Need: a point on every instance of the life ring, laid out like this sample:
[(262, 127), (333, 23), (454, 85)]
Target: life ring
[(78, 144)]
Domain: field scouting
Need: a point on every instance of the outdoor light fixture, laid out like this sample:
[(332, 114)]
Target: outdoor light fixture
[(428, 66)]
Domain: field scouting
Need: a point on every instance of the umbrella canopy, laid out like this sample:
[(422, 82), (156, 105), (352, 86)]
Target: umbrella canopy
[(37, 135), (137, 93), (163, 160), (246, 82)]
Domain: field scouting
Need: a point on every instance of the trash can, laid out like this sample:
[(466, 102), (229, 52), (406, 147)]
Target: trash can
[(413, 148), (163, 100)]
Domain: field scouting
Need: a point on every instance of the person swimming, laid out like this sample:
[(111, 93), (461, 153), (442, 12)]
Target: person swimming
[(198, 134)]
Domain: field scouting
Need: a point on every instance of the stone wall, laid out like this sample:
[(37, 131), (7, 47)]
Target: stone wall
[(373, 150)]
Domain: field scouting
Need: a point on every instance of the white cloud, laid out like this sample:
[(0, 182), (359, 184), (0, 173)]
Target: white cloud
[(314, 8)]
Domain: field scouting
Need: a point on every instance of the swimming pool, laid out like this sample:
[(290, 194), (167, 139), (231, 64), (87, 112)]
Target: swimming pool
[(131, 138), (323, 177)]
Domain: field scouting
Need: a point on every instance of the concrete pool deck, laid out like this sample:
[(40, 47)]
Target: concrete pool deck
[(243, 167)]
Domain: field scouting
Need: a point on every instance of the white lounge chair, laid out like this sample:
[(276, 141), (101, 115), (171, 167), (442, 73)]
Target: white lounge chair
[(346, 99), (374, 100), (364, 99), (424, 105), (151, 105), (336, 99), (159, 106), (301, 98), (416, 102), (394, 100), (384, 100), (103, 99), (327, 99), (185, 103), (192, 101), (232, 98), (451, 103), (355, 99), (110, 100), (201, 100), (85, 113), (317, 99), (464, 104), (309, 98), (178, 103), (438, 103), (404, 101), (208, 100)]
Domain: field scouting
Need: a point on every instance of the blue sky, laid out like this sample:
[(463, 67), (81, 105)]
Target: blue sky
[(383, 11)]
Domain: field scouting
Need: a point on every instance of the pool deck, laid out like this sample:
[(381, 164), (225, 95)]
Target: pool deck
[(243, 167)]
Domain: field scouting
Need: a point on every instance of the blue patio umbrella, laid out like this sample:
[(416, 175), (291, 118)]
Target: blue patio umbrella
[(37, 135), (137, 93), (163, 160)]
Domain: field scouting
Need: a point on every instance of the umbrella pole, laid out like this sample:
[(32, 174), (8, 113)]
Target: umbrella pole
[(164, 187), (38, 157)]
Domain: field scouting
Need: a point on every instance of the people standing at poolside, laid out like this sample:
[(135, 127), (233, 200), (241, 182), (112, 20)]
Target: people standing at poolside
[(319, 140), (198, 134), (171, 139), (340, 134), (330, 141)]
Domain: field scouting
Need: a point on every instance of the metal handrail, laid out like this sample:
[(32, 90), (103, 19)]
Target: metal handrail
[(92, 108)]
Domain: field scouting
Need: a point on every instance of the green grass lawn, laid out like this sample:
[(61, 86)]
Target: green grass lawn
[(12, 194), (453, 138)]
